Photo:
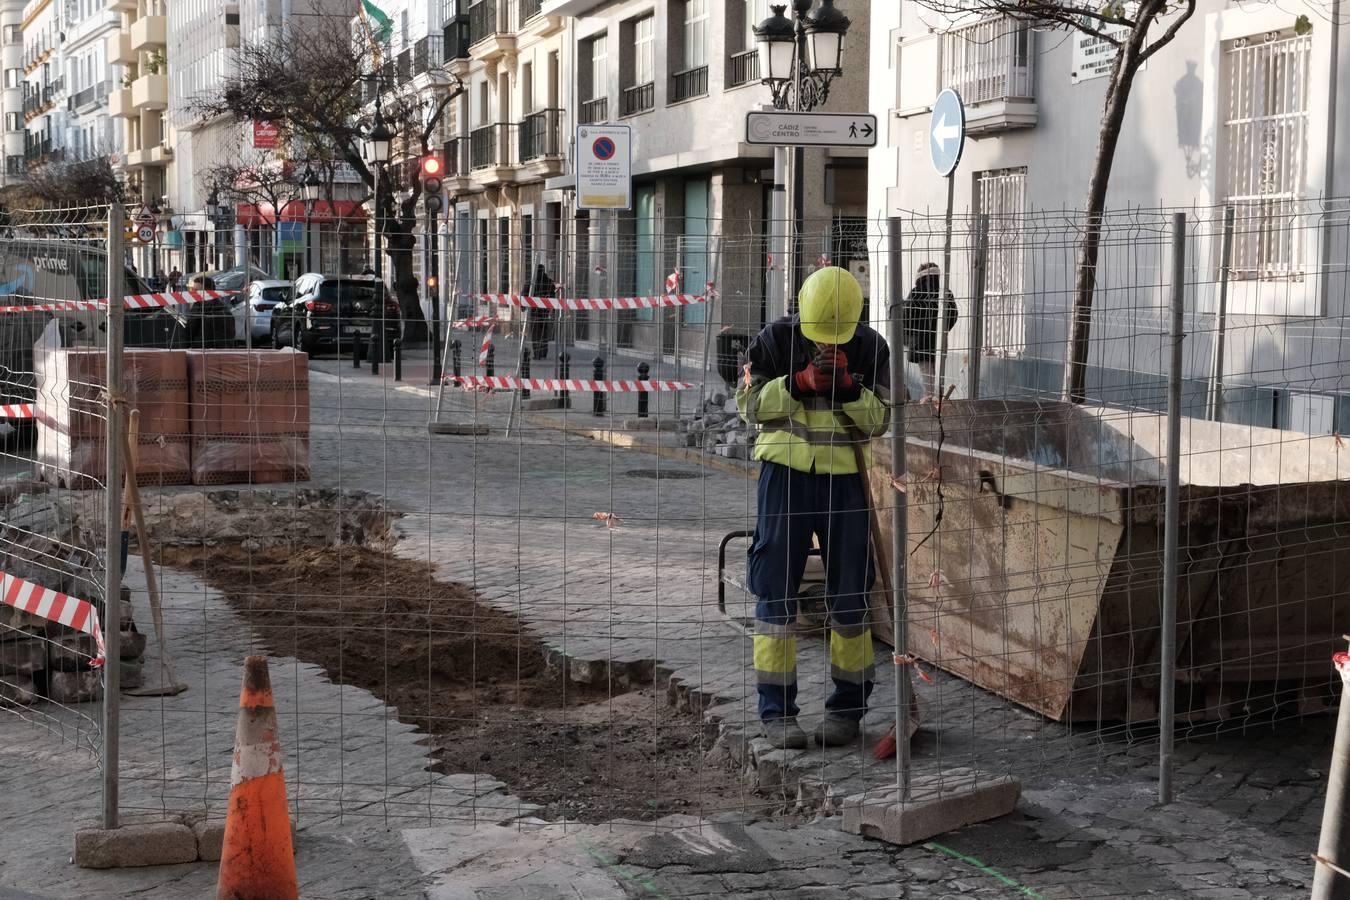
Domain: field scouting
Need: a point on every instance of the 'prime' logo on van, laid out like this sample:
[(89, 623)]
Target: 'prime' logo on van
[(51, 264)]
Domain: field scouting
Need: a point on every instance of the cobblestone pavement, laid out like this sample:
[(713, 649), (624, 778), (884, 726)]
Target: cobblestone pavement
[(514, 517)]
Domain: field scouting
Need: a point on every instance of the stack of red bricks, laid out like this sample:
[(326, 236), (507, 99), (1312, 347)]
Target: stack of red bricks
[(250, 416), (206, 416), (72, 446)]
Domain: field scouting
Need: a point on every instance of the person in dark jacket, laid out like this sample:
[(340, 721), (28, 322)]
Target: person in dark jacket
[(540, 321), (921, 320)]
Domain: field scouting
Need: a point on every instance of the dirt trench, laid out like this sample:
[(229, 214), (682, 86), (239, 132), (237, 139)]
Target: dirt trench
[(468, 675)]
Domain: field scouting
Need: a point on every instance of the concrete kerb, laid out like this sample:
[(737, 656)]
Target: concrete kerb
[(153, 840)]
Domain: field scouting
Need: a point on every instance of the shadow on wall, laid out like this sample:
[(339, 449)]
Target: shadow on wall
[(1190, 100)]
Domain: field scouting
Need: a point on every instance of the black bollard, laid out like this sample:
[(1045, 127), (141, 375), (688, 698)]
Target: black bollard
[(376, 353), (564, 372), (644, 374), (491, 361), (358, 350), (598, 397), (398, 359), (455, 347), (525, 372)]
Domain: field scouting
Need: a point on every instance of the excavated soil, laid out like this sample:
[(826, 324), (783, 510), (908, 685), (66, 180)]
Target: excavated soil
[(470, 677)]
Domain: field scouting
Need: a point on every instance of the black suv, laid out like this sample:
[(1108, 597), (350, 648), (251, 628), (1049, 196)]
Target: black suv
[(329, 312)]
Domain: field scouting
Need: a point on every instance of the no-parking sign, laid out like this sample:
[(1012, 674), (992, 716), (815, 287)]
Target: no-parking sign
[(604, 167)]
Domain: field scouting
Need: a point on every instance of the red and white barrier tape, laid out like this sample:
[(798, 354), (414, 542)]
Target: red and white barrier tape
[(130, 301), (470, 324), (589, 303), (512, 383), (17, 411), (487, 343), (53, 606)]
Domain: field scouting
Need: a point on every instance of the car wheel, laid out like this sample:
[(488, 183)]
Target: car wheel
[(309, 344), (277, 342)]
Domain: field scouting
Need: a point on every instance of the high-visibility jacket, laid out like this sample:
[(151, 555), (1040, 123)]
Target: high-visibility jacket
[(812, 434)]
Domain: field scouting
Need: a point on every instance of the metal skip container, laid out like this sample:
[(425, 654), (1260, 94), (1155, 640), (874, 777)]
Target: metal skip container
[(1036, 557)]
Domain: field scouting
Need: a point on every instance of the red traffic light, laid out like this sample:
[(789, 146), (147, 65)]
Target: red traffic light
[(431, 166)]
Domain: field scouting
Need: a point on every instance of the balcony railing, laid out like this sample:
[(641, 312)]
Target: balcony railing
[(638, 98), (593, 111), (456, 37), (403, 67), (744, 68), (541, 135), (428, 54), (489, 17), (492, 146), (457, 163), (990, 60), (689, 83), (92, 94)]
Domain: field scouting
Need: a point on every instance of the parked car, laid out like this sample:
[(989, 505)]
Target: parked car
[(231, 279), (329, 312), (253, 309)]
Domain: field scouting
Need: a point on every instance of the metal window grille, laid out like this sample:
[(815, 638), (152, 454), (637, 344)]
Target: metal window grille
[(1265, 150), (504, 254), (1002, 195), (989, 60)]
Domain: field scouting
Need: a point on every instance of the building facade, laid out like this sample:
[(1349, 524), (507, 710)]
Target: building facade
[(11, 89), (508, 138), (43, 86), (91, 132), (683, 74), (1240, 110)]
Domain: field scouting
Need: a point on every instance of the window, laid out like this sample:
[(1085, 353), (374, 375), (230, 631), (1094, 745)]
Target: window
[(483, 268), (644, 45), (593, 80), (692, 78), (695, 33), (989, 60), (13, 78), (743, 65), (1002, 195), (1264, 150), (504, 254), (13, 122), (13, 34), (638, 65), (527, 248)]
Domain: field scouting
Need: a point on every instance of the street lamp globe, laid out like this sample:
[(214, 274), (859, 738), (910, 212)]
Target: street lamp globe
[(379, 141), (776, 40), (310, 184), (825, 39)]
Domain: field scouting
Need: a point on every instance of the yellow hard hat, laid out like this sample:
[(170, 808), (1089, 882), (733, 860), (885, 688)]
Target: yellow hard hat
[(829, 305)]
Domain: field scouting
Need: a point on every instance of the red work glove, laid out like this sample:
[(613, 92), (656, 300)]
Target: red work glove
[(813, 380)]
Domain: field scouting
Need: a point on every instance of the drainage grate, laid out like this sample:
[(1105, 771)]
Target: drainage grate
[(676, 474)]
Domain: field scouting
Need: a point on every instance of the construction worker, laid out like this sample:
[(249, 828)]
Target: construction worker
[(815, 386)]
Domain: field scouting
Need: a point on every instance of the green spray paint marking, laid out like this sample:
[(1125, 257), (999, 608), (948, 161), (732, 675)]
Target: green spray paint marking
[(988, 870), (626, 873)]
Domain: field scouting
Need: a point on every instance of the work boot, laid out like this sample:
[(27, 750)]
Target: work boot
[(785, 733), (836, 731)]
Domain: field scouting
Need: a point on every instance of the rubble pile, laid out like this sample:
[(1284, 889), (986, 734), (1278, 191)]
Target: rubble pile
[(718, 428), (51, 540)]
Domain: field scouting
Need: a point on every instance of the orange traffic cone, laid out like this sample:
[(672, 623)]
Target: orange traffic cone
[(257, 861)]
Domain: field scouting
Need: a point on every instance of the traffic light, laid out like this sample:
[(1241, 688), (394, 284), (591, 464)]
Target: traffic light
[(432, 169)]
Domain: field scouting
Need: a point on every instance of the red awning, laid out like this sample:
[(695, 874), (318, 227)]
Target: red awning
[(251, 215), (323, 211)]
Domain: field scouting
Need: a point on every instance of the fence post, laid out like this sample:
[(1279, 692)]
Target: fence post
[(525, 368), (979, 275), (598, 396), (1172, 516), (900, 510), (112, 569), (644, 374), (1332, 849), (1214, 408)]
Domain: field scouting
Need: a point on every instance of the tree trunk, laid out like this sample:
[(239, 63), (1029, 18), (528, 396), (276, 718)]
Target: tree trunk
[(1085, 280)]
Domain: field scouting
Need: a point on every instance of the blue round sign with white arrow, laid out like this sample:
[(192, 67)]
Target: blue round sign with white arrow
[(947, 132)]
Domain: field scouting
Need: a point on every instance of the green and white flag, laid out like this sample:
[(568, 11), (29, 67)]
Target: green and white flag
[(379, 24)]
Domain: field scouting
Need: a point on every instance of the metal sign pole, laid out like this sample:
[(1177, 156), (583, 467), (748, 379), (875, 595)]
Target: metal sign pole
[(1172, 516), (944, 290)]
